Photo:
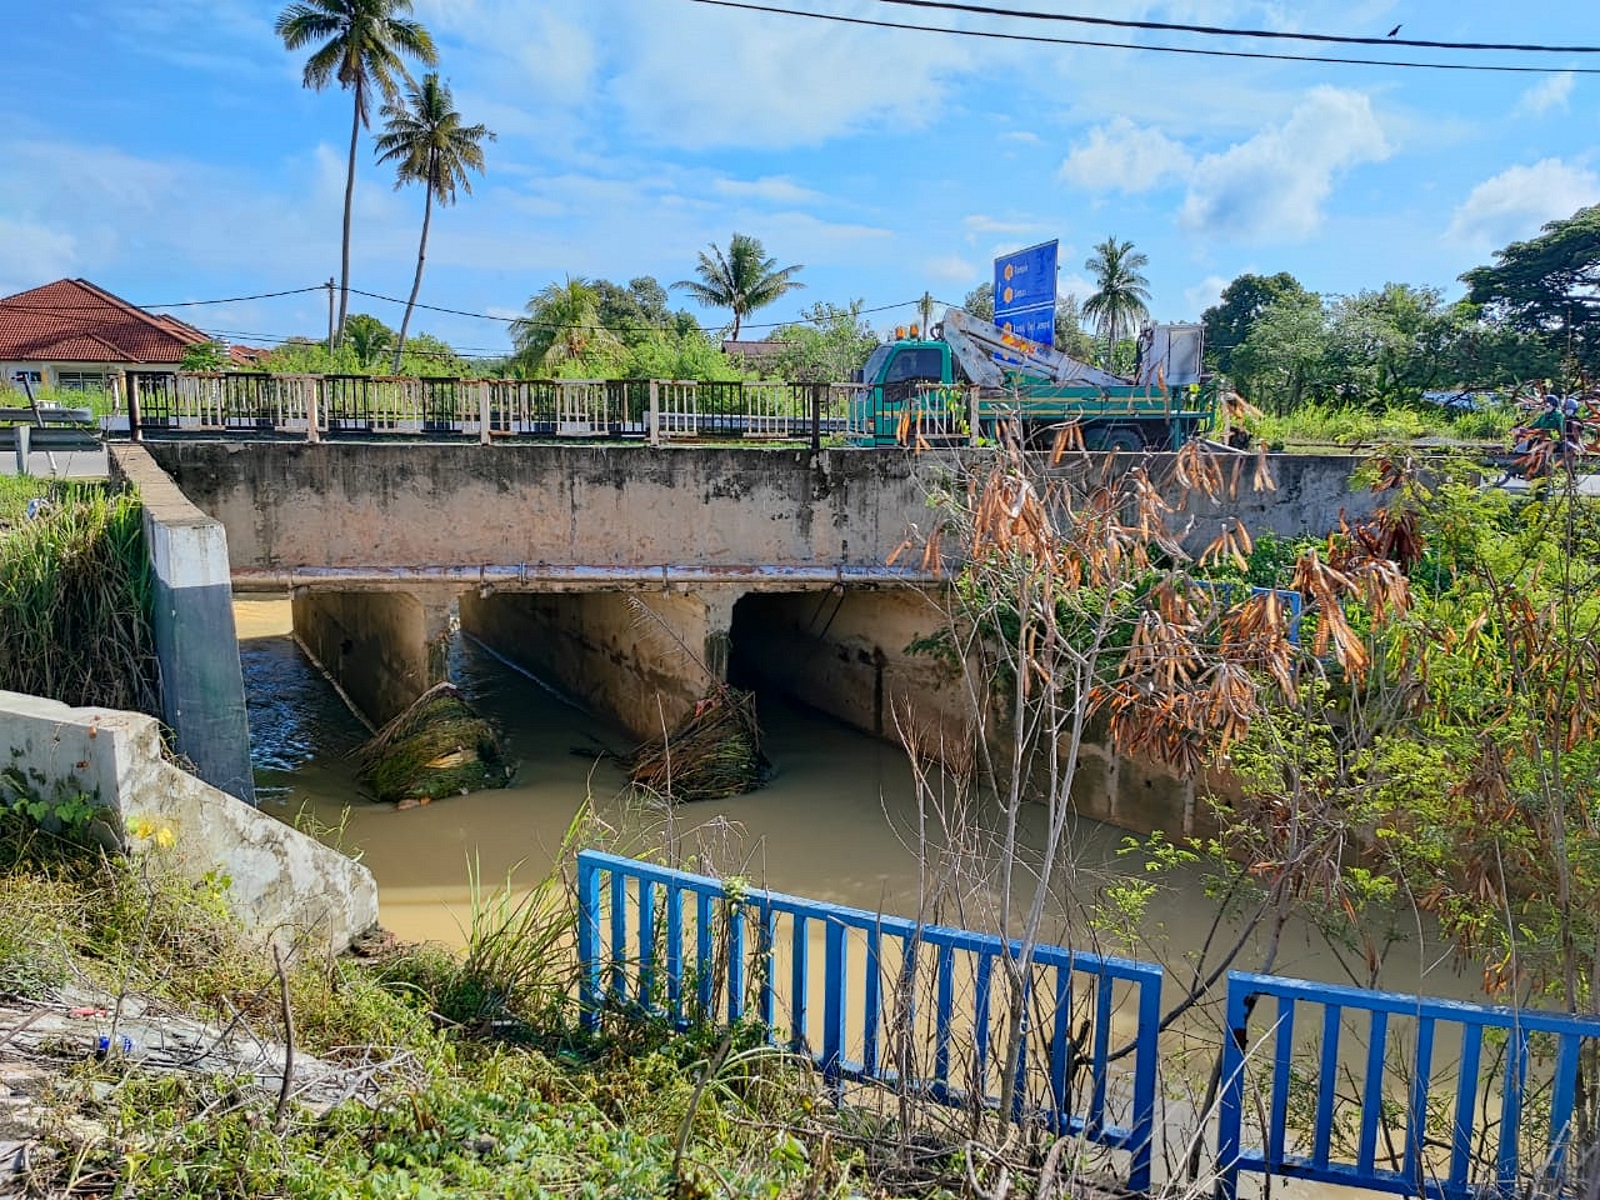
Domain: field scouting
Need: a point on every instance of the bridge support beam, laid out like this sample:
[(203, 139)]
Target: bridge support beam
[(642, 658), (383, 649)]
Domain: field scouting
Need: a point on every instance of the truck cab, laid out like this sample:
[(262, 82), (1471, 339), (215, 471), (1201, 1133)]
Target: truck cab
[(911, 380)]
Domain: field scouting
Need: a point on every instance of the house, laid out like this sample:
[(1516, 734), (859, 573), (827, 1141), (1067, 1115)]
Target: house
[(756, 356), (70, 334)]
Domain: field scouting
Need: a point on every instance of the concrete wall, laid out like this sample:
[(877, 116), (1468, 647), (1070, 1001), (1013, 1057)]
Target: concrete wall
[(384, 649), (290, 505), (640, 658), (281, 880), (202, 687)]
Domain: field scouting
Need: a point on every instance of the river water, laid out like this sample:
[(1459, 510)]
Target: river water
[(837, 822)]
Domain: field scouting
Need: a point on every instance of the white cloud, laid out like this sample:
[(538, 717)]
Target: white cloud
[(1517, 201), (778, 189), (1204, 294), (1026, 136), (952, 268), (31, 254), (1547, 95), (980, 224), (1272, 187), (1124, 157)]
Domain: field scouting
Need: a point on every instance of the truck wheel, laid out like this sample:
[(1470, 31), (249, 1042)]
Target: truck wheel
[(1124, 440)]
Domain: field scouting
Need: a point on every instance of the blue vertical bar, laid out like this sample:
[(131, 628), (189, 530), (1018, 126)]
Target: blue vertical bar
[(1100, 1064), (675, 950), (908, 992), (873, 1004), (702, 950), (1561, 1103), (735, 961), (944, 999), (833, 1005), (1060, 1046), (589, 941), (769, 937), (1143, 1124), (647, 944), (1511, 1109), (1329, 1056), (1457, 1187), (1230, 1105), (980, 1026), (1282, 1058), (1417, 1106), (799, 983), (1019, 1084), (619, 936), (1372, 1094)]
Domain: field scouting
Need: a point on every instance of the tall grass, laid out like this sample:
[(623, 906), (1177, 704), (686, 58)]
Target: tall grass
[(75, 602), (1351, 425)]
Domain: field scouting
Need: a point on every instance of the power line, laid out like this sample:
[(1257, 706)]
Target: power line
[(68, 309), (1041, 39), (1222, 31)]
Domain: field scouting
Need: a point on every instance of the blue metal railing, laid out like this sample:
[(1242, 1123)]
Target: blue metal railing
[(1442, 1145), (1293, 603), (635, 948)]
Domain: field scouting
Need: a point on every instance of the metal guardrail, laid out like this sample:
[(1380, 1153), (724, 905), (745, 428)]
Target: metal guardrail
[(678, 945), (1447, 1116), (1454, 1077), (318, 406)]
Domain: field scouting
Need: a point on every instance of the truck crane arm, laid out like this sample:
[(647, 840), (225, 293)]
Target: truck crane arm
[(975, 342)]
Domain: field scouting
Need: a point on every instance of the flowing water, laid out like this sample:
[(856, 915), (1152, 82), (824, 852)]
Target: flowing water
[(837, 822)]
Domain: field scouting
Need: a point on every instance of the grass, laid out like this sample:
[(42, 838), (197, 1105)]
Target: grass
[(1340, 425), (438, 747), (76, 597), (98, 401), (15, 492)]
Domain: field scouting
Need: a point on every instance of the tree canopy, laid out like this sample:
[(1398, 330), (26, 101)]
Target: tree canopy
[(1121, 295), (1549, 287), (1227, 323), (742, 280)]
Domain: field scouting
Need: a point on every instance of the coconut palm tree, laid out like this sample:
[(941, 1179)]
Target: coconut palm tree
[(562, 325), (428, 144), (360, 44), (1121, 293), (743, 280)]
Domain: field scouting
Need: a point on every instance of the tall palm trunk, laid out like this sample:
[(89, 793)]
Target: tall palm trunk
[(416, 284), (349, 200)]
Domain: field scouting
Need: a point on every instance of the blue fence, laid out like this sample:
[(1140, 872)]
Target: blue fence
[(1391, 1093), (1446, 1083), (680, 945)]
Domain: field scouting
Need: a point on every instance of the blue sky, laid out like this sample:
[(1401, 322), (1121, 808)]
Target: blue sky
[(166, 150)]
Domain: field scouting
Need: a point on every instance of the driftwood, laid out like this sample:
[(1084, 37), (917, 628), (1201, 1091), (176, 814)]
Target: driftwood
[(438, 747), (713, 753)]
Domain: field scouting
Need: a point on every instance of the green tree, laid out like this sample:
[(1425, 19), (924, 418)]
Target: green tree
[(639, 312), (827, 345), (361, 44), (1121, 292), (1282, 356), (562, 330), (741, 281), (426, 140), (1070, 336), (204, 356), (678, 354), (1227, 323), (368, 338), (979, 302), (1549, 286)]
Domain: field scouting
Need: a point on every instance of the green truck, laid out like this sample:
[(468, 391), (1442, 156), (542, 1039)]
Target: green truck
[(930, 390)]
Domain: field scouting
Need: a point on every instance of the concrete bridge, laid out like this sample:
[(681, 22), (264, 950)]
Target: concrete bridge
[(630, 577)]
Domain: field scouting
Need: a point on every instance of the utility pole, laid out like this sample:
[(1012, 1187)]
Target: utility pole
[(329, 286)]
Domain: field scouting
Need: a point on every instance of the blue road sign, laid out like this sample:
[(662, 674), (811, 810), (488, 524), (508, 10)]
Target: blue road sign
[(1025, 292)]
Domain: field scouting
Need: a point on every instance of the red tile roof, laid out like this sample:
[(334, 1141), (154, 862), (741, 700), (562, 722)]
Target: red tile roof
[(71, 320)]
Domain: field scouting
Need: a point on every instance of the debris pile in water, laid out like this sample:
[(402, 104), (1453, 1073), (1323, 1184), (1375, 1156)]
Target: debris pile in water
[(437, 747), (713, 753)]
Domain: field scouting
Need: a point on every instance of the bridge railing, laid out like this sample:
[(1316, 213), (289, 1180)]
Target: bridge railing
[(876, 998), (316, 406), (1402, 1094)]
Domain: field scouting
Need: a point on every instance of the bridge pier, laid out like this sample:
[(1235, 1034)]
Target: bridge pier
[(641, 657), (384, 649)]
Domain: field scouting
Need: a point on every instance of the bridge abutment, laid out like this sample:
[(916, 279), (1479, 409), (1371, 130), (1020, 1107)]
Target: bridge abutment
[(642, 658), (383, 649)]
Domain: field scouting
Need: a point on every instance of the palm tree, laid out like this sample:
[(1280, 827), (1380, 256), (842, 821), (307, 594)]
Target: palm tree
[(361, 44), (743, 280), (562, 325), (426, 139), (1119, 302)]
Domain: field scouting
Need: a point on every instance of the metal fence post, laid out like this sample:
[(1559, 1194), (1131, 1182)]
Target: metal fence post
[(483, 412), (1230, 1107), (816, 416), (654, 421), (972, 415), (135, 433), (588, 941)]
